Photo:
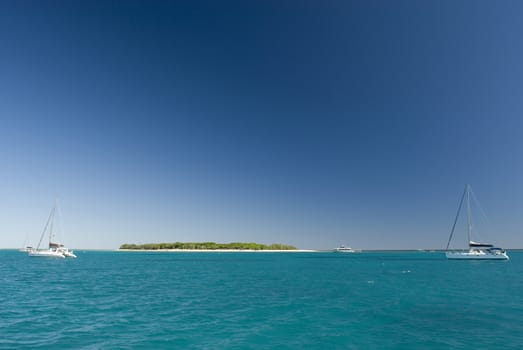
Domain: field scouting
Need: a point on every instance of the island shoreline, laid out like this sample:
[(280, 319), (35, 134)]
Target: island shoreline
[(221, 250)]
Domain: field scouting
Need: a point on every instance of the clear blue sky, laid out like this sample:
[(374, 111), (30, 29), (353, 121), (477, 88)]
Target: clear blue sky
[(309, 123)]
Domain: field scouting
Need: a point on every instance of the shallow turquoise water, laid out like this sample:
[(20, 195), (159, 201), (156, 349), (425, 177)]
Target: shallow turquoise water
[(390, 300)]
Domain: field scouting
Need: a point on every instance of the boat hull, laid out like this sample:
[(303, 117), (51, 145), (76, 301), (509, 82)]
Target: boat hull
[(476, 256), (46, 254)]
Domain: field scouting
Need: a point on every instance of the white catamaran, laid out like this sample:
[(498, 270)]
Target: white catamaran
[(54, 250), (476, 251)]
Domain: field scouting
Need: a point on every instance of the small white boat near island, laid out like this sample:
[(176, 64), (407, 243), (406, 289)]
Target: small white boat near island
[(344, 249), (54, 250), (476, 251)]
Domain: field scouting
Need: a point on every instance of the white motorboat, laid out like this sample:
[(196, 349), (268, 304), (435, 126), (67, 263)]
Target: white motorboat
[(476, 251), (344, 249)]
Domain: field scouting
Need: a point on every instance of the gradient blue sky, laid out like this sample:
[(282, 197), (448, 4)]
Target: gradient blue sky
[(309, 123)]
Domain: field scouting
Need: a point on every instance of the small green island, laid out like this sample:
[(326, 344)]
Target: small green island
[(206, 246)]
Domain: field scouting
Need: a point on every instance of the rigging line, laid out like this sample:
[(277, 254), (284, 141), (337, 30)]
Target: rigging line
[(51, 234), (60, 230), (485, 219), (456, 219), (479, 206)]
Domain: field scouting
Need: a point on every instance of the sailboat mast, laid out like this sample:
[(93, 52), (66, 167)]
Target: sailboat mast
[(469, 225), (45, 228)]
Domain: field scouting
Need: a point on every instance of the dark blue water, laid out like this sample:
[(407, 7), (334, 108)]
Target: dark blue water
[(391, 300)]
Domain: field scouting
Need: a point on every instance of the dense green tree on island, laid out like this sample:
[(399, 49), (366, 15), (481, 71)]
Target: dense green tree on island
[(208, 246)]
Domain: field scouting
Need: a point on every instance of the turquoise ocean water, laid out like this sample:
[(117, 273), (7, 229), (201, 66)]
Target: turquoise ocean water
[(387, 300)]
